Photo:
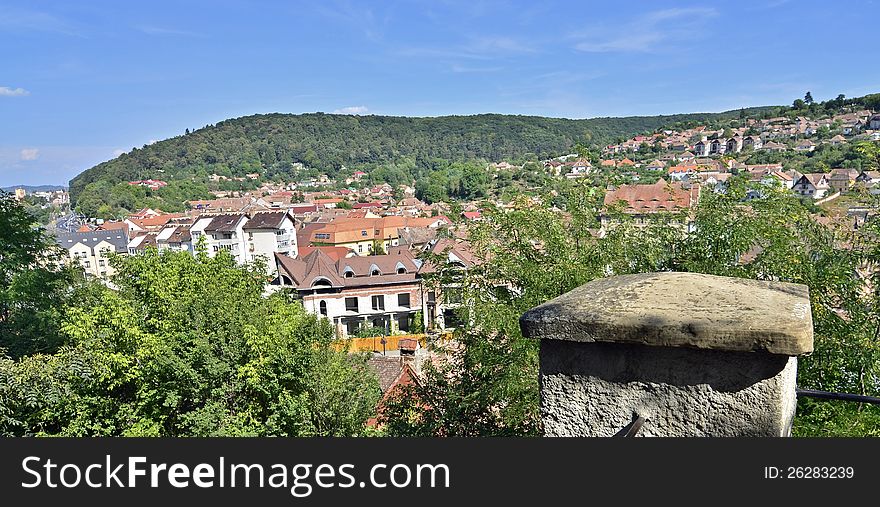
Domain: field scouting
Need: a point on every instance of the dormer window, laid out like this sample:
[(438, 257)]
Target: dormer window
[(375, 272), (401, 271)]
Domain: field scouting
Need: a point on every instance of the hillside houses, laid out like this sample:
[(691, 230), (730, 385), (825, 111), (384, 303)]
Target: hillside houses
[(640, 202), (814, 185)]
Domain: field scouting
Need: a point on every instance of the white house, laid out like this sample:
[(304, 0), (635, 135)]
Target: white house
[(268, 233), (91, 250), (814, 185)]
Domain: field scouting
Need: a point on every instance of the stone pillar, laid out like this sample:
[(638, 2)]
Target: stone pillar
[(683, 354)]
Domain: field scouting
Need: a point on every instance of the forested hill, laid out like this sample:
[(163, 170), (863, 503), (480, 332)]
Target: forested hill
[(271, 143)]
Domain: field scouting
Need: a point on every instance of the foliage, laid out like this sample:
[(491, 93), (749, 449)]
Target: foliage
[(35, 283), (188, 346), (489, 385), (287, 147)]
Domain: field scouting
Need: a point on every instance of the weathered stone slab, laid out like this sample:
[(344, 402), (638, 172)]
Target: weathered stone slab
[(598, 389), (680, 310)]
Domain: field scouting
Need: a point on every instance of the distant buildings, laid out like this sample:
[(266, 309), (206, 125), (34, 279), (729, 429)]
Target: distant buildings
[(641, 202)]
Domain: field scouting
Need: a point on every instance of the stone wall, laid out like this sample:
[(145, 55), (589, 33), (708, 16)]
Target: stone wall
[(690, 354)]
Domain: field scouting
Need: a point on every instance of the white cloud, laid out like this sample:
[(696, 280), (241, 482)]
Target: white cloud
[(30, 154), (651, 32), (6, 91), (352, 110)]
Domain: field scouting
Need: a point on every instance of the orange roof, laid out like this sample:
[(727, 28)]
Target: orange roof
[(660, 196), (334, 252), (350, 229), (626, 161), (154, 222)]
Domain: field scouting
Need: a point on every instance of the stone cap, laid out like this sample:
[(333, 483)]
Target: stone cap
[(680, 310)]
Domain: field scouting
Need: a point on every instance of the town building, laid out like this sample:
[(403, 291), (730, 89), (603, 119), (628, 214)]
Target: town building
[(641, 202), (378, 291), (812, 185), (91, 250)]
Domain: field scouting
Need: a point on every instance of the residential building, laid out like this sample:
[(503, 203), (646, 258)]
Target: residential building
[(642, 201), (842, 179), (91, 250), (380, 291), (270, 232), (813, 185), (247, 236)]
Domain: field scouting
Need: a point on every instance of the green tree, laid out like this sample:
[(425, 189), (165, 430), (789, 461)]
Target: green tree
[(35, 283), (189, 346), (489, 384)]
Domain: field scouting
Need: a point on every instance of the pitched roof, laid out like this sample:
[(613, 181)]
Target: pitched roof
[(119, 239), (660, 196), (226, 222), (266, 220), (397, 266)]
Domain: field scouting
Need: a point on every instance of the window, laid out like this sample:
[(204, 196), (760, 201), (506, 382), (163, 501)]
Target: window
[(360, 248), (378, 302), (403, 322), (364, 233), (322, 235), (401, 271), (403, 300), (322, 307), (102, 263), (375, 272), (351, 304), (88, 264), (432, 297), (348, 274)]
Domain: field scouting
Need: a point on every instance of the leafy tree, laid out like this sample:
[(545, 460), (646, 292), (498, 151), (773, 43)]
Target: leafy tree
[(188, 346), (376, 248), (35, 284), (489, 384)]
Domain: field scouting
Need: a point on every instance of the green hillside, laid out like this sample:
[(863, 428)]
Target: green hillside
[(271, 144)]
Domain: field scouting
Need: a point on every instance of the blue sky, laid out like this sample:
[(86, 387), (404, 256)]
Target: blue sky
[(81, 82)]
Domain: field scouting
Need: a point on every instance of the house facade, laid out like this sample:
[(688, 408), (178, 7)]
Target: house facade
[(379, 291), (812, 185), (246, 236), (91, 250)]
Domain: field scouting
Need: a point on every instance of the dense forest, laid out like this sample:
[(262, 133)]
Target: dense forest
[(272, 144)]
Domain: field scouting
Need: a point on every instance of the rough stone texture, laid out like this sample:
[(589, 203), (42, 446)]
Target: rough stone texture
[(694, 355), (680, 310), (598, 389)]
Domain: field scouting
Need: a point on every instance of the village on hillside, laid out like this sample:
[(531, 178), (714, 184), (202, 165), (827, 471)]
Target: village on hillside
[(354, 251)]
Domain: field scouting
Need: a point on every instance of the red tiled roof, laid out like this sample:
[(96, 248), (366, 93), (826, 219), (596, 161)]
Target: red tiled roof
[(661, 196)]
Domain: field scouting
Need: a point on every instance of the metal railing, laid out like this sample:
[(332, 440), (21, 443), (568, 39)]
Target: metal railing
[(827, 395)]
